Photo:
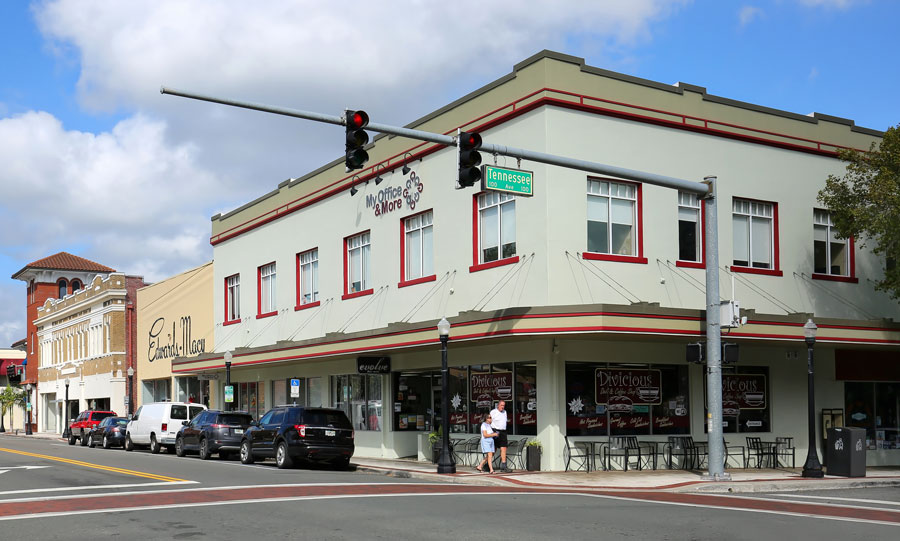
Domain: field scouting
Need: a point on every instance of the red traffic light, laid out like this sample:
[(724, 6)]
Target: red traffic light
[(357, 120), (469, 141)]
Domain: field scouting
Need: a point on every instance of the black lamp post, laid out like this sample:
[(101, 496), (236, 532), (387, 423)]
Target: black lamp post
[(812, 467), (130, 393), (66, 431), (445, 462), (227, 356), (28, 409)]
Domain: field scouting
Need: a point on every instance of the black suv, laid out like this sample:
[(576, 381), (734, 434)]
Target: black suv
[(289, 433), (211, 432)]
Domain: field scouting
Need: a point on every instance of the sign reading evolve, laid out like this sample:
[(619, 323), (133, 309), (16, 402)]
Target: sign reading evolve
[(506, 179)]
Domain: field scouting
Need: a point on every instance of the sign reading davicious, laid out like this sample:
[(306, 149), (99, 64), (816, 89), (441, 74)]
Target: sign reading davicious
[(622, 388), (486, 389), (373, 365), (747, 391)]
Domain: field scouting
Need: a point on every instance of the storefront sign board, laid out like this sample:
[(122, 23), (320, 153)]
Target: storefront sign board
[(373, 365), (488, 388), (622, 388)]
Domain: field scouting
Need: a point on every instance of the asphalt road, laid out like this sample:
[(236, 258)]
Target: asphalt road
[(63, 492)]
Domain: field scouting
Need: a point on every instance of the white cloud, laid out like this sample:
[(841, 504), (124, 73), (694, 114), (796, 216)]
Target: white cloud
[(128, 197), (813, 73), (748, 14)]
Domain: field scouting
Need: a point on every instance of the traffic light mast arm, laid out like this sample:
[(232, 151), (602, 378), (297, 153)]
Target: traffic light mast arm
[(446, 140)]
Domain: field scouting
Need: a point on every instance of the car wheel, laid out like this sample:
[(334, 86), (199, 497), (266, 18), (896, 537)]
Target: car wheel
[(90, 438), (246, 453), (106, 444), (72, 439), (84, 439), (282, 458), (155, 447), (129, 445), (204, 449), (179, 447)]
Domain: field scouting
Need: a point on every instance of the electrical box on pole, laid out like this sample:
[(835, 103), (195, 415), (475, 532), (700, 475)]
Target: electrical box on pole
[(355, 155), (469, 159)]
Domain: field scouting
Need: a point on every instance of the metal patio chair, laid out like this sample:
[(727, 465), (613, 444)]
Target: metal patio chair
[(580, 455)]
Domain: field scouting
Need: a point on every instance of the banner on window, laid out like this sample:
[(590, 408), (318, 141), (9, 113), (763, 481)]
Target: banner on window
[(485, 389), (743, 391), (623, 388)]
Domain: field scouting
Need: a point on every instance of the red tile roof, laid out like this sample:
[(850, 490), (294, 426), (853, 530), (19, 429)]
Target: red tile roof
[(67, 261)]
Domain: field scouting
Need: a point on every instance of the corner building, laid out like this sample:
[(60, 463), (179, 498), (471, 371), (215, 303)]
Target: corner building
[(575, 305)]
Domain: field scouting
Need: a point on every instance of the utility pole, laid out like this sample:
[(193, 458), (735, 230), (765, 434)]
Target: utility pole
[(705, 190)]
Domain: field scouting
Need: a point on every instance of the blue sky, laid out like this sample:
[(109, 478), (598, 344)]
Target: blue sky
[(82, 124)]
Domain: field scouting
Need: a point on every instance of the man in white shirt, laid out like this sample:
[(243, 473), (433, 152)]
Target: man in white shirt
[(498, 423)]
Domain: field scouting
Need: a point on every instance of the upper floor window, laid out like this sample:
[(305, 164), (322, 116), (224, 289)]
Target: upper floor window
[(753, 227), (357, 266), (497, 226), (233, 298), (267, 290), (76, 285), (611, 217), (62, 285), (832, 256), (308, 277), (418, 247), (690, 230)]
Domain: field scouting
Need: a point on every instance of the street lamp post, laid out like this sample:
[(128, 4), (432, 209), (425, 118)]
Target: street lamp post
[(230, 405), (445, 462), (66, 431), (28, 409), (130, 373), (812, 467)]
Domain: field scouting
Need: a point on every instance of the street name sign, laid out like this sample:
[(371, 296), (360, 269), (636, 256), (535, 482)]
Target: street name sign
[(507, 179)]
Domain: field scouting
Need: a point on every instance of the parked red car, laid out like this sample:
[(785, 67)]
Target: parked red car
[(81, 427)]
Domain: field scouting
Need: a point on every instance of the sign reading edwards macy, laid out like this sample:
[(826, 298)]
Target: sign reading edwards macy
[(177, 343)]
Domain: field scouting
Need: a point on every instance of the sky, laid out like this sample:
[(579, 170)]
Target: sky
[(96, 162)]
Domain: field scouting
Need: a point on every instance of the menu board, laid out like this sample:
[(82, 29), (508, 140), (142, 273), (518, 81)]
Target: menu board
[(623, 388), (485, 389)]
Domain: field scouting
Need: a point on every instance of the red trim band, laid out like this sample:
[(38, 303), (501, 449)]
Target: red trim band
[(267, 314), (415, 281), (493, 264), (754, 270), (690, 264), (307, 305), (357, 294), (226, 323), (612, 257), (833, 278)]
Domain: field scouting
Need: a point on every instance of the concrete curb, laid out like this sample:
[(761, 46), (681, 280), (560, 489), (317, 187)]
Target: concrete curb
[(697, 487)]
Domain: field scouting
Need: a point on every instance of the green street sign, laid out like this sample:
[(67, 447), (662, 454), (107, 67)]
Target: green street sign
[(507, 179), (229, 394)]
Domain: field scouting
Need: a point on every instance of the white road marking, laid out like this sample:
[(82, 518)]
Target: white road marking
[(858, 500), (7, 468), (490, 494), (88, 487)]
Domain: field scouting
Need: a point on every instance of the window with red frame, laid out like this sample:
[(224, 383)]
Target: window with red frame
[(418, 242), (690, 230), (831, 254), (753, 233), (359, 274), (497, 226), (308, 277), (612, 217), (233, 298), (267, 289)]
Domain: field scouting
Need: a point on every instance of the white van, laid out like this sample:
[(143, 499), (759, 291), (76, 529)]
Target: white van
[(156, 424)]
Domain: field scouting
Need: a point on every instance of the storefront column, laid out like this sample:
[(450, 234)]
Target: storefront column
[(551, 383)]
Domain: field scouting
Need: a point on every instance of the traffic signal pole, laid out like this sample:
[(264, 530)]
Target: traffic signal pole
[(706, 190)]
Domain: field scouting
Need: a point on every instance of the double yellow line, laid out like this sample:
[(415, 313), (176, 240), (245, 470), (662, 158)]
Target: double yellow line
[(97, 466)]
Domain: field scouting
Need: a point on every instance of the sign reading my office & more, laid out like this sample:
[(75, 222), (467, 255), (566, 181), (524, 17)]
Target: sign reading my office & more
[(507, 179), (392, 198)]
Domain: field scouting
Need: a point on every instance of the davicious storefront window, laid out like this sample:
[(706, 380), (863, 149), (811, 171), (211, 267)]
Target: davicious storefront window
[(626, 399), (745, 399), (474, 391)]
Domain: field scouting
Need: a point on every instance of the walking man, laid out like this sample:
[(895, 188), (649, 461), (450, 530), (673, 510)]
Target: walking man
[(498, 423)]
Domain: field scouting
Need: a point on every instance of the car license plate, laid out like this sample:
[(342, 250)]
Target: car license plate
[(330, 433), (238, 430)]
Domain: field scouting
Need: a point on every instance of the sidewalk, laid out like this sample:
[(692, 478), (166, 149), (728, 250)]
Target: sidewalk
[(750, 480)]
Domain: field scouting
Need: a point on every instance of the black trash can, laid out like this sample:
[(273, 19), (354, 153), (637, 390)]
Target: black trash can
[(846, 452)]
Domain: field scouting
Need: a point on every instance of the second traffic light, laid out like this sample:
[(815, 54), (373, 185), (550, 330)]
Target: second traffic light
[(355, 155), (469, 159)]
